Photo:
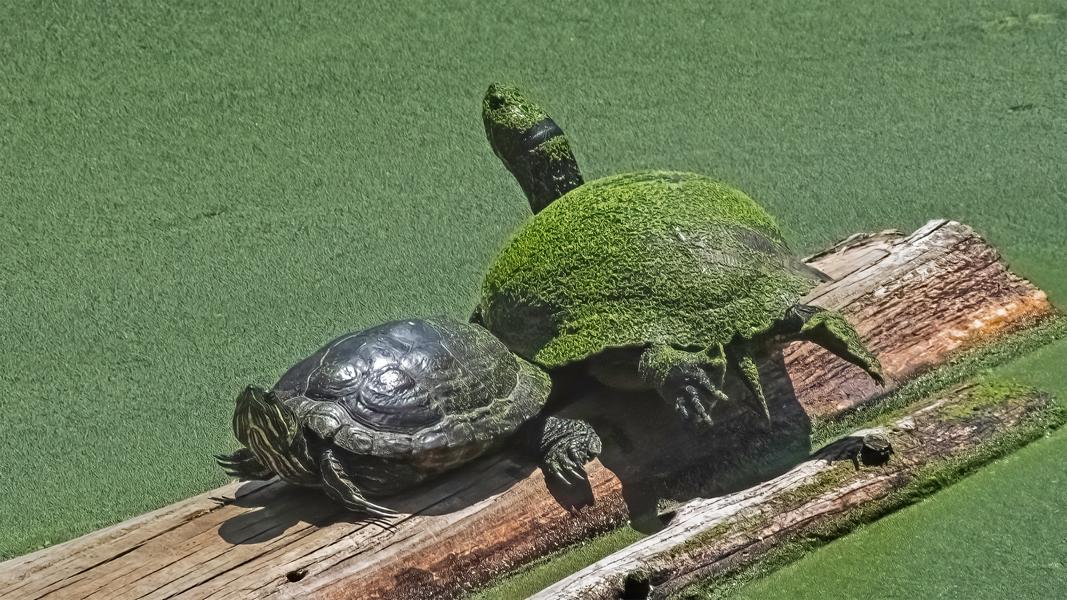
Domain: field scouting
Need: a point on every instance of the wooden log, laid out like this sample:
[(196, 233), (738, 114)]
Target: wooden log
[(917, 299), (829, 493)]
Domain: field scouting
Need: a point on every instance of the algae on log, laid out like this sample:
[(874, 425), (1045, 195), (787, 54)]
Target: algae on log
[(839, 487), (917, 300)]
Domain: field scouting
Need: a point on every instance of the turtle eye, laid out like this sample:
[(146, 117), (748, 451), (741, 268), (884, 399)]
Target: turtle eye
[(496, 101)]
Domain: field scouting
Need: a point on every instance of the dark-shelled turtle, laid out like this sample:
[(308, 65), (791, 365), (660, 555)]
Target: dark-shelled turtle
[(378, 411), (875, 448), (653, 279)]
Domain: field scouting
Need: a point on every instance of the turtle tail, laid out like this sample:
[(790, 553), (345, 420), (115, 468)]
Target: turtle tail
[(531, 145)]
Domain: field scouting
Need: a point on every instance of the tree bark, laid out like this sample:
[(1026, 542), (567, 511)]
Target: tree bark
[(917, 300)]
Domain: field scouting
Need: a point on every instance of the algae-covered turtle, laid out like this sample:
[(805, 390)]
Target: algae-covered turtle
[(654, 279), (378, 411)]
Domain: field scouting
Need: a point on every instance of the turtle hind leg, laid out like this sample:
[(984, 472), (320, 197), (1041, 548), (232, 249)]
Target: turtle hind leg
[(830, 330), (745, 365), (690, 381), (564, 447), (339, 486), (243, 465)]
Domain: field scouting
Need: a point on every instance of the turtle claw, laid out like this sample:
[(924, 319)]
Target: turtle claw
[(571, 444), (560, 476), (567, 471), (689, 381), (359, 504), (696, 401), (339, 486), (243, 464), (571, 471), (875, 371), (372, 509), (832, 331)]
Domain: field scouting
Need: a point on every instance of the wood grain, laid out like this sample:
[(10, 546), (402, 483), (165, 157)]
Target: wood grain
[(917, 299)]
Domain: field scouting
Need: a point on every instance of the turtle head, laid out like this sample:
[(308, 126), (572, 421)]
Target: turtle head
[(508, 116), (530, 145), (272, 432)]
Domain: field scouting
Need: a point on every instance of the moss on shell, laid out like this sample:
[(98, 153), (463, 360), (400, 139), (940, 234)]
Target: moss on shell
[(637, 258)]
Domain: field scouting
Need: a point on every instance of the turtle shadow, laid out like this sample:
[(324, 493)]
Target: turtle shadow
[(661, 460), (271, 509), (275, 507)]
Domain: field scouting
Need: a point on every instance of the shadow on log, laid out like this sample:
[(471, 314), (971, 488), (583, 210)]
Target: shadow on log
[(848, 482), (917, 300)]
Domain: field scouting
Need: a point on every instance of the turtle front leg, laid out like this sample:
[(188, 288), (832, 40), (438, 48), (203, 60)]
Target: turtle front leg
[(243, 465), (689, 381), (565, 446), (830, 330), (339, 485)]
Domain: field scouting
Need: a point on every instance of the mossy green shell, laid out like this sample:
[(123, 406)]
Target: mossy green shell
[(639, 258)]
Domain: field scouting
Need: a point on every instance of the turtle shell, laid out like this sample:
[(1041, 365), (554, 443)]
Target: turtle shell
[(639, 258), (414, 376), (406, 400)]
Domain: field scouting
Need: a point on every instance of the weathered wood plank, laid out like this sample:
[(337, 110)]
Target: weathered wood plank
[(917, 299), (708, 537)]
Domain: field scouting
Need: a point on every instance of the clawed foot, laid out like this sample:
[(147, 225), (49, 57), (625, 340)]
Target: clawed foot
[(874, 369), (690, 381), (566, 446), (566, 460), (339, 486), (244, 465), (694, 396)]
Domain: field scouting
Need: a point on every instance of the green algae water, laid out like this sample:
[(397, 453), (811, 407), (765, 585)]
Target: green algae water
[(196, 194)]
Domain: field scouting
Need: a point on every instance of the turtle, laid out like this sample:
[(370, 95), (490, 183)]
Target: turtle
[(375, 412), (654, 279), (875, 448)]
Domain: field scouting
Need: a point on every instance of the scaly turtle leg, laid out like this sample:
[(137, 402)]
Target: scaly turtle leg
[(564, 445), (690, 381), (830, 330), (339, 486), (745, 364), (243, 465)]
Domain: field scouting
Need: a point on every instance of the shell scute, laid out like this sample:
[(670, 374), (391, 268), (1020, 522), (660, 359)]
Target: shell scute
[(436, 381)]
